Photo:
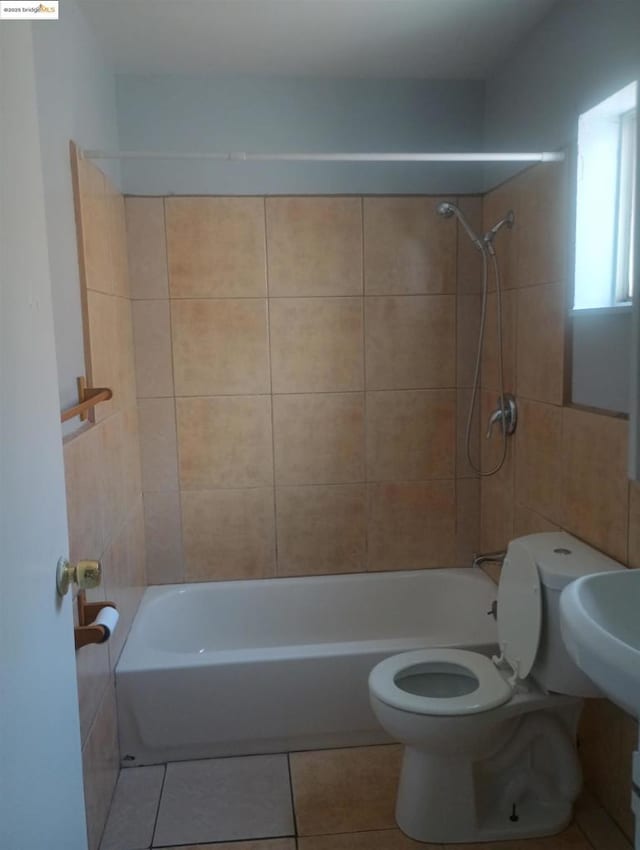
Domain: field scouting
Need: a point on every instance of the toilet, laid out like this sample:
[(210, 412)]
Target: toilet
[(490, 749)]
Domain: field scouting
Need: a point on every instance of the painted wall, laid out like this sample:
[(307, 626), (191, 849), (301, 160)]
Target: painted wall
[(566, 467), (76, 100), (582, 52), (103, 481), (302, 407), (185, 113)]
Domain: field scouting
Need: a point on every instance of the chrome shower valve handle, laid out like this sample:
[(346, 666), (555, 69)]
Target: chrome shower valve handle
[(506, 413)]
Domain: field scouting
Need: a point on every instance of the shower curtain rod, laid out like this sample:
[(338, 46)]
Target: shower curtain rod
[(239, 156)]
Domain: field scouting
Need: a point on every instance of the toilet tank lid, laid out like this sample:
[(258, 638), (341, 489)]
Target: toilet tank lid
[(561, 558)]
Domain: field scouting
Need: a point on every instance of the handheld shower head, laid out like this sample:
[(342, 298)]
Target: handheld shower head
[(508, 221), (447, 209)]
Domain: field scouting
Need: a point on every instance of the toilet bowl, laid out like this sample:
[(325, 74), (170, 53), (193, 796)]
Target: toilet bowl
[(490, 742)]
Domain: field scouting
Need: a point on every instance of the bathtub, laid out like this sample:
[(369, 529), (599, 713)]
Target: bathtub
[(232, 668)]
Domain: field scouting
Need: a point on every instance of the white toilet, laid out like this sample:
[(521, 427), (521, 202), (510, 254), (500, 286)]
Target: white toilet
[(490, 742)]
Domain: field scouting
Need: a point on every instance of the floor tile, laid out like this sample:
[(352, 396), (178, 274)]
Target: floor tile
[(269, 844), (383, 839), (225, 800), (345, 790), (570, 839), (134, 809)]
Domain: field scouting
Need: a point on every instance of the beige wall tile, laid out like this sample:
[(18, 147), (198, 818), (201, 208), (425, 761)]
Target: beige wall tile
[(152, 341), (607, 738), (495, 206), (541, 232), (220, 347), (104, 354), (490, 361), (163, 537), (467, 520), (469, 257), (125, 388), (540, 343), (411, 435), (85, 493), (216, 247), (117, 235), (411, 525), (634, 524), (100, 767), (314, 246), (526, 521), (319, 438), (539, 458), (496, 514), (407, 247), (321, 529), (228, 534), (112, 460), (383, 839), (596, 492), (410, 342), (93, 672), (468, 328), (497, 491), (94, 215), (601, 830), (316, 344), (147, 250), (464, 469), (345, 790), (124, 576), (132, 471), (158, 443), (224, 442)]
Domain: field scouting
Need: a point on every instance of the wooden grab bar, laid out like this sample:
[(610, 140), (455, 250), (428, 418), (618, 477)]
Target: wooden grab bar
[(89, 397)]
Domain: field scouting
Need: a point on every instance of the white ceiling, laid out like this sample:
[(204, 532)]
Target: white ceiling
[(438, 39)]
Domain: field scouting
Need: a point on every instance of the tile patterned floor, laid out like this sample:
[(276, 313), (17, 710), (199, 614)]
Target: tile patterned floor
[(324, 800)]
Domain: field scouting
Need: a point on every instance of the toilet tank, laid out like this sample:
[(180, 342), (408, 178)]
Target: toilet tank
[(561, 559)]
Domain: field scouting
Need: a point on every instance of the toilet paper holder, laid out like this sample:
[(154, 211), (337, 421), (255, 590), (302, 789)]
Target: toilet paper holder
[(88, 631)]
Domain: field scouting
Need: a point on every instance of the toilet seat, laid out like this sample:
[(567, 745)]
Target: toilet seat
[(489, 690)]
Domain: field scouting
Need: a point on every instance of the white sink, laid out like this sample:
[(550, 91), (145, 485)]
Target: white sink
[(600, 622)]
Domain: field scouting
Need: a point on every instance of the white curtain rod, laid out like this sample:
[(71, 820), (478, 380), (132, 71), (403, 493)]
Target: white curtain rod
[(331, 157)]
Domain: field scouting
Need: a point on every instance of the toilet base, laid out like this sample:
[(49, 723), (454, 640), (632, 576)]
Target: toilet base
[(437, 803)]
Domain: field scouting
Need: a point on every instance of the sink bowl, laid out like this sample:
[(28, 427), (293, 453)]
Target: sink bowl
[(600, 622)]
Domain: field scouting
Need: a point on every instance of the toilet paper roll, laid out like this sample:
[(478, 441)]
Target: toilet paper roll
[(107, 617)]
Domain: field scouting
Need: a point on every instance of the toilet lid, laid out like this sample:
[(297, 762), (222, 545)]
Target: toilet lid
[(519, 610)]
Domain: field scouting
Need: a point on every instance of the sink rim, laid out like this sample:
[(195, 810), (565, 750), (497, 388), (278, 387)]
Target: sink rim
[(611, 661)]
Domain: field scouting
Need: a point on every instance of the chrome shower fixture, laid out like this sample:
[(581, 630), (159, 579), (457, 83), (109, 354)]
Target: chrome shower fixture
[(508, 221), (447, 209)]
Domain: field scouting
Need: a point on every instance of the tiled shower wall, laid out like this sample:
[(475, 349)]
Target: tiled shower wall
[(566, 467), (103, 480), (303, 366)]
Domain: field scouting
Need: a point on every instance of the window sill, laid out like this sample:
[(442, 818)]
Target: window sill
[(616, 310)]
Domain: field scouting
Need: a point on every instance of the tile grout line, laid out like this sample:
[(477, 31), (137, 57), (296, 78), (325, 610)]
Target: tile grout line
[(365, 423), (293, 800), (183, 564), (155, 822), (276, 552)]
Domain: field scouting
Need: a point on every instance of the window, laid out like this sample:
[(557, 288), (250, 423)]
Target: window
[(605, 209), (626, 206)]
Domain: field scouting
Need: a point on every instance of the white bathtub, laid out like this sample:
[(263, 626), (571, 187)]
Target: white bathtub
[(230, 668)]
